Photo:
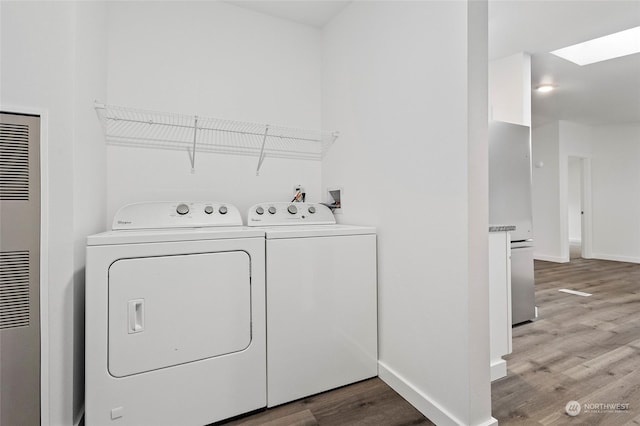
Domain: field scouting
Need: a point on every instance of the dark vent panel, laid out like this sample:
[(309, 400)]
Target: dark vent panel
[(14, 289), (14, 162), (20, 227)]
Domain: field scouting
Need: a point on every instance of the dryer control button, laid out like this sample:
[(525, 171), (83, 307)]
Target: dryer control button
[(292, 209), (208, 209), (223, 209), (182, 209), (312, 209), (272, 210), (260, 210)]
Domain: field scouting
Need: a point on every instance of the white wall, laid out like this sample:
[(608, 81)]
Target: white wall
[(612, 205), (478, 352), (573, 198), (545, 148), (553, 144), (52, 61), (574, 141), (217, 60), (89, 157), (616, 192), (402, 101), (510, 89)]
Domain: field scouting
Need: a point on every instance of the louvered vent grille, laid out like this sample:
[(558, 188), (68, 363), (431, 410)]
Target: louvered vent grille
[(14, 162), (14, 289)]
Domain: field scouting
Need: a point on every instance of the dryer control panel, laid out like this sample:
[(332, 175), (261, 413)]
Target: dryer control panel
[(274, 214), (171, 214)]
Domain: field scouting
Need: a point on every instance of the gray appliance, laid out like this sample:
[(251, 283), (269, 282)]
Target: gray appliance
[(19, 270), (510, 204)]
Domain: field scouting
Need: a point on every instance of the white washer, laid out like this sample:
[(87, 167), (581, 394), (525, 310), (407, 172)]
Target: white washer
[(321, 300), (175, 317)]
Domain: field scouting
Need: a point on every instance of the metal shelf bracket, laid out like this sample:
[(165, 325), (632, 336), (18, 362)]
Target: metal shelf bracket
[(192, 153), (261, 157), (125, 126)]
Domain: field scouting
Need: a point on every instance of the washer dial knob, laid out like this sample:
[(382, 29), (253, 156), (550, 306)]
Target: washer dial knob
[(272, 210), (223, 209), (260, 211), (312, 209), (182, 209), (208, 209), (292, 209)]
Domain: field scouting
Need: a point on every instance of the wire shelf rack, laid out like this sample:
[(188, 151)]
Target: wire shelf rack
[(163, 130)]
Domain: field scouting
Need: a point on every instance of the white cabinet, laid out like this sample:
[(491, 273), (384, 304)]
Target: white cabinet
[(499, 302)]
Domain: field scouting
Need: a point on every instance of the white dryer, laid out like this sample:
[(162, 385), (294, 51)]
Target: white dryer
[(175, 317), (321, 300)]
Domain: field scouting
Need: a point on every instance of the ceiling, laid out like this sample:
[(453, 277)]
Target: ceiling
[(607, 92), (603, 93), (315, 13)]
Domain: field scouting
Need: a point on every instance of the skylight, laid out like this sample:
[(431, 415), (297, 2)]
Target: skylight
[(615, 45)]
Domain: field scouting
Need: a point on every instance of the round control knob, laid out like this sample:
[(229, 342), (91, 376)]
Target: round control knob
[(208, 209), (272, 210), (182, 209), (312, 209), (223, 209), (292, 209), (260, 210)]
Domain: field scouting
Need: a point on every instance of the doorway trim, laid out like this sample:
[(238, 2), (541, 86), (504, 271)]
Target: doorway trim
[(44, 253), (586, 225)]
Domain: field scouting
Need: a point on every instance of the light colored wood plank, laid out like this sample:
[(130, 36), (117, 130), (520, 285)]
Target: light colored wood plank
[(302, 418), (583, 349), (370, 402)]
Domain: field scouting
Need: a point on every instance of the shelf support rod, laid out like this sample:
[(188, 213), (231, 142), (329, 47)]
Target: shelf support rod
[(334, 136), (101, 111), (192, 154), (261, 158)]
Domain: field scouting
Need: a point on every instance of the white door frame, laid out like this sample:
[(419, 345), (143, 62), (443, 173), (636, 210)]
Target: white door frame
[(585, 200)]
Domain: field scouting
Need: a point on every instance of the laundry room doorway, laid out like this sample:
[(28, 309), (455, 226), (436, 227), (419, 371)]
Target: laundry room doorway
[(578, 211)]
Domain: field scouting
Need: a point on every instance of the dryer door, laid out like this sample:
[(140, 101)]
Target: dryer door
[(170, 310)]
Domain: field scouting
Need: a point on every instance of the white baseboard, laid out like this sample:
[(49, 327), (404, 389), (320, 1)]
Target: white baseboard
[(546, 258), (601, 256), (491, 422), (498, 369), (431, 409), (615, 258)]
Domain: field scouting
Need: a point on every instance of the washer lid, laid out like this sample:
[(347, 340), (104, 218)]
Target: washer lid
[(307, 231), (172, 235)]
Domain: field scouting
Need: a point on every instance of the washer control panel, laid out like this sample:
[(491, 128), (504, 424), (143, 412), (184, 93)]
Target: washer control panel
[(169, 214), (272, 214)]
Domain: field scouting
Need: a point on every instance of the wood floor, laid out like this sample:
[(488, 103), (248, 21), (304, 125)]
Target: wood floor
[(370, 402), (585, 349)]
